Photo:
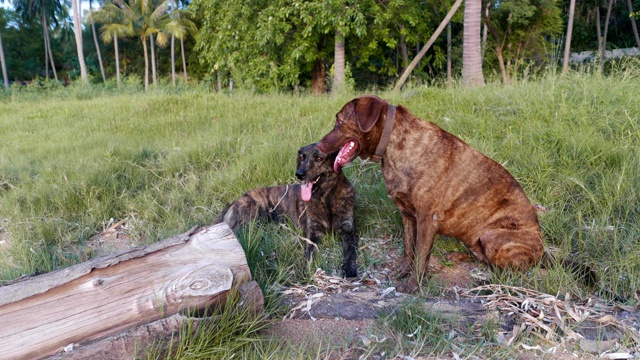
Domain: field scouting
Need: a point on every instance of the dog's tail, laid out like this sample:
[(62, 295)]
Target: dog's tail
[(583, 272)]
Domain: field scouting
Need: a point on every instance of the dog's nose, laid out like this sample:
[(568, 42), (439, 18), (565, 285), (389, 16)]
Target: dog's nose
[(300, 174)]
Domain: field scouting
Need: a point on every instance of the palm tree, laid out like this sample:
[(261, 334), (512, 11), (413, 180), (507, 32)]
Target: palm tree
[(3, 24), (116, 22), (45, 10), (471, 52), (178, 27), (95, 41), (147, 17), (567, 45), (77, 27)]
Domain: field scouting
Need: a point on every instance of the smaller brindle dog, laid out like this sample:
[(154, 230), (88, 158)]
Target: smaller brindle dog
[(322, 203)]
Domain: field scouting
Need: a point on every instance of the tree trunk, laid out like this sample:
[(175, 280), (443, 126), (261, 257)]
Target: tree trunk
[(184, 61), (146, 63), (4, 65), (503, 69), (404, 52), (598, 30), (153, 60), (567, 44), (471, 55), (426, 47), (108, 296), (318, 83), (338, 67), (633, 24), (603, 50), (115, 47), (47, 43), (173, 60), (485, 31), (449, 75), (95, 41), (77, 29)]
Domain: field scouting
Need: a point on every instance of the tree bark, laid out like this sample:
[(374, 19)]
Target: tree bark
[(404, 52), (115, 48), (567, 44), (47, 43), (173, 60), (318, 83), (4, 65), (603, 49), (77, 29), (146, 63), (111, 295), (633, 24), (95, 41), (485, 31), (471, 52), (426, 47), (339, 63), (449, 75), (153, 60), (184, 61)]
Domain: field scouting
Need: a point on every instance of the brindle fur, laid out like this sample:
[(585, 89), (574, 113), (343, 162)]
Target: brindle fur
[(442, 185), (329, 209)]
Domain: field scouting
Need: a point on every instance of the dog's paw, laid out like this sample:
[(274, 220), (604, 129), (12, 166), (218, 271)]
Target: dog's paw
[(408, 287)]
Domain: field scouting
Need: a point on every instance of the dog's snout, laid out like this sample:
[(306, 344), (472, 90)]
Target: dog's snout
[(300, 174)]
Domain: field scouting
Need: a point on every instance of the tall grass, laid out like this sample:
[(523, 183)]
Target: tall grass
[(166, 160)]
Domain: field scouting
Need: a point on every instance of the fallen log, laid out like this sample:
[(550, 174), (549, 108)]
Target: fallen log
[(112, 296)]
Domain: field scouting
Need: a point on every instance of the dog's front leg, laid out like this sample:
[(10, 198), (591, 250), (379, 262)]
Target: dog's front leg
[(313, 232), (346, 230), (409, 236), (425, 232)]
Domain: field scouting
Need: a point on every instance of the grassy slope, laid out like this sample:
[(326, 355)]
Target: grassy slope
[(72, 161)]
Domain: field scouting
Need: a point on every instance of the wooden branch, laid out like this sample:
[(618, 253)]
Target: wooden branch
[(110, 295)]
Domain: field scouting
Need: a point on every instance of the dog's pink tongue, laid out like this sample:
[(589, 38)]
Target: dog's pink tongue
[(305, 191), (344, 155)]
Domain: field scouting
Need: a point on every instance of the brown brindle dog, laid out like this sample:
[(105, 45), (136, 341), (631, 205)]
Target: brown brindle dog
[(322, 203), (441, 185)]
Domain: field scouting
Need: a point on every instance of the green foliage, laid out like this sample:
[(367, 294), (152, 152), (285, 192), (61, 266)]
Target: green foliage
[(520, 30)]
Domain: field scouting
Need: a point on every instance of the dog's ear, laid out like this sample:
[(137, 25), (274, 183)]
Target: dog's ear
[(368, 110)]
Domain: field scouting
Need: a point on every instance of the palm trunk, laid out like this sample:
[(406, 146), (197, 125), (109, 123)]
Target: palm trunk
[(598, 30), (146, 63), (471, 54), (449, 75), (47, 43), (153, 60), (604, 36), (339, 67), (318, 83), (95, 40), (633, 24), (78, 36), (184, 61), (426, 47), (173, 60), (46, 53), (115, 46), (485, 32), (404, 52), (567, 44), (4, 65)]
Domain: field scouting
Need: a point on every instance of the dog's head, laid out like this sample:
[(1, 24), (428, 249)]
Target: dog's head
[(357, 130), (314, 168)]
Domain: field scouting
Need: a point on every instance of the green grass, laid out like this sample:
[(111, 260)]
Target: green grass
[(167, 160)]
